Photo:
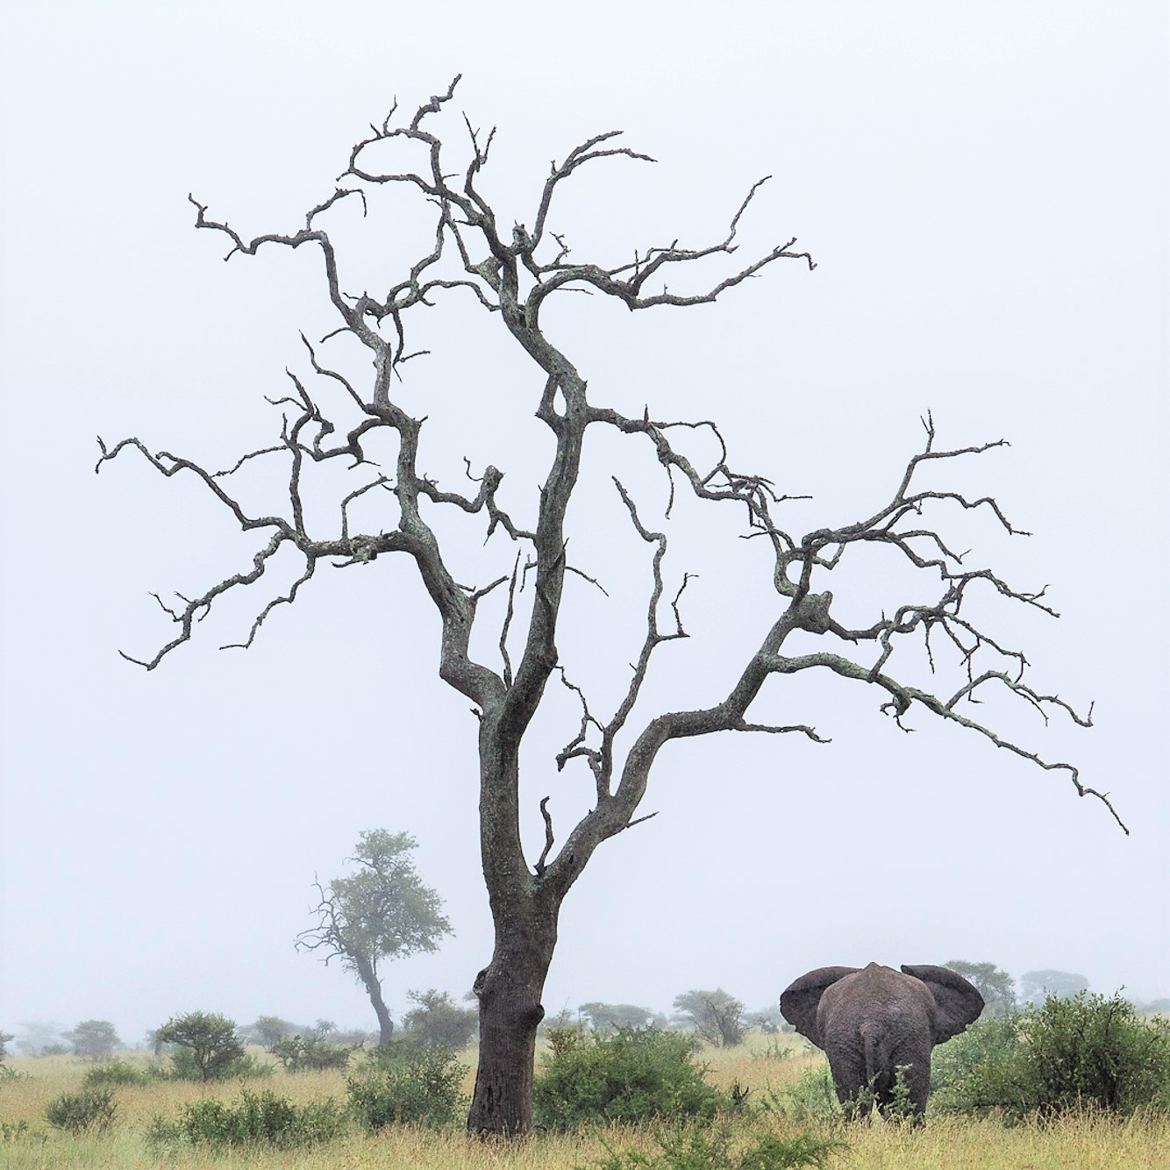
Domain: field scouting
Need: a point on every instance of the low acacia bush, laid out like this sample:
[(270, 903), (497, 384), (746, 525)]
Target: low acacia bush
[(635, 1075), (89, 1109), (308, 1053), (403, 1083), (121, 1072), (256, 1119), (1065, 1055)]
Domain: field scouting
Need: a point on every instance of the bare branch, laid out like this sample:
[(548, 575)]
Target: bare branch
[(548, 836)]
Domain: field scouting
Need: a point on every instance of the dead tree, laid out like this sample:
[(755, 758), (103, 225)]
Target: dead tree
[(511, 272)]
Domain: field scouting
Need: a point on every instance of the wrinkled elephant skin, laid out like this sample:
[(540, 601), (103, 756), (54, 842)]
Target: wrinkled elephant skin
[(872, 1020)]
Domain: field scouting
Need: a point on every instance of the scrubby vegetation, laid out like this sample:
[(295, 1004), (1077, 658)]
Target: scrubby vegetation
[(766, 1104), (1087, 1051), (90, 1109), (256, 1119), (635, 1075), (402, 1083)]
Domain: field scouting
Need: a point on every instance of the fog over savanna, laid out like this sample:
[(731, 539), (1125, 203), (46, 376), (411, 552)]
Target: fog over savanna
[(984, 190)]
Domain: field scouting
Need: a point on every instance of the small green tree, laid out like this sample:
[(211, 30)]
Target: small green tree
[(715, 1015), (208, 1040), (437, 1021), (93, 1039), (1037, 986), (4, 1038), (384, 911), (997, 987)]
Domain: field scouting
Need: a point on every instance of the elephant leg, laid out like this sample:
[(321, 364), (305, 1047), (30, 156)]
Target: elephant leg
[(914, 1074), (848, 1068)]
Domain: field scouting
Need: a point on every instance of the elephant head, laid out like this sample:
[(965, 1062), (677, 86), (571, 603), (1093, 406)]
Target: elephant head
[(873, 1020)]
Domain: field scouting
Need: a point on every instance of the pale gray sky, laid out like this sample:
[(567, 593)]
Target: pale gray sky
[(985, 190)]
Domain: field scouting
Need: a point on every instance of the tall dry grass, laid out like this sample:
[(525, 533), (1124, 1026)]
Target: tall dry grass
[(1077, 1143)]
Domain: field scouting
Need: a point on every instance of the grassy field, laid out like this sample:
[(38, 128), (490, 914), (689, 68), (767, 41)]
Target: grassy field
[(1086, 1143)]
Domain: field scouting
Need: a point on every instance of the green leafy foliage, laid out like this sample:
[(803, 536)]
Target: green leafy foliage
[(404, 1083), (208, 1047), (1066, 1054), (384, 911), (437, 1021), (811, 1097), (632, 1076), (256, 1119), (90, 1109)]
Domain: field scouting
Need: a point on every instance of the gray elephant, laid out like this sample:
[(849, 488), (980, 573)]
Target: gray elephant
[(872, 1020)]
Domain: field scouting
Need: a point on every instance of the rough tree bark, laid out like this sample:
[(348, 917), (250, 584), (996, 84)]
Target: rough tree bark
[(511, 274)]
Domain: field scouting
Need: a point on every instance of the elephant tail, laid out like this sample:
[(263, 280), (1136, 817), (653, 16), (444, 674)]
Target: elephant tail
[(879, 1073)]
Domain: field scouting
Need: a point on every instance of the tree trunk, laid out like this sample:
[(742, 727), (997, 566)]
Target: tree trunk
[(373, 986), (509, 992)]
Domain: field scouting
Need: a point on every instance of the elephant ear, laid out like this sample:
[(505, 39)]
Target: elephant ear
[(959, 1002), (799, 1002)]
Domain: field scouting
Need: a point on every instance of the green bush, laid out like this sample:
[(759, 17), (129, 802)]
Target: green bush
[(633, 1076), (705, 1149), (90, 1109), (257, 1119), (119, 1072), (811, 1097), (1063, 1055), (245, 1067), (305, 1053), (208, 1047), (402, 1083)]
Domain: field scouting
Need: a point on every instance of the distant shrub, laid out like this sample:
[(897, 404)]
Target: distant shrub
[(403, 1083), (267, 1030), (716, 1149), (436, 1021), (6, 1072), (93, 1039), (256, 1119), (90, 1109), (715, 1015), (632, 1076), (611, 1017), (119, 1072), (308, 1053), (1060, 1056)]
